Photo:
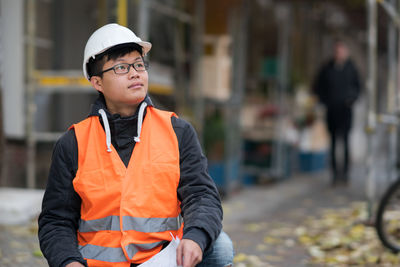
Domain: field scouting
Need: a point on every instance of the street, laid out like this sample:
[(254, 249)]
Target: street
[(304, 221), (301, 221)]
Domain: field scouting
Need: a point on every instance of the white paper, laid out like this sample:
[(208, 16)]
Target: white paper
[(165, 258)]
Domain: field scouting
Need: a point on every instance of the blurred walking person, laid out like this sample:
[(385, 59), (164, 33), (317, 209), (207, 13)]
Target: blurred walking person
[(337, 86)]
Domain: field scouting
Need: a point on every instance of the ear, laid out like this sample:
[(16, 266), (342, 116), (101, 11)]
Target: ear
[(97, 83)]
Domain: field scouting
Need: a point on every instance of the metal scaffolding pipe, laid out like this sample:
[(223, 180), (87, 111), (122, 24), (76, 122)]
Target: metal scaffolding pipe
[(391, 95), (283, 14), (122, 12), (143, 19), (30, 89), (392, 65), (179, 62), (172, 12), (371, 84), (238, 25), (391, 11), (197, 50)]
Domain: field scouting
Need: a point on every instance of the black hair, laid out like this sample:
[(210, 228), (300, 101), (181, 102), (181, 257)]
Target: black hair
[(95, 66)]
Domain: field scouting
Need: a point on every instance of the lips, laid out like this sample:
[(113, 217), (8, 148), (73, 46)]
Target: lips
[(135, 86)]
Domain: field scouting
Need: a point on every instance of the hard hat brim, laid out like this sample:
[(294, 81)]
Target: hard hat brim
[(109, 36), (145, 45)]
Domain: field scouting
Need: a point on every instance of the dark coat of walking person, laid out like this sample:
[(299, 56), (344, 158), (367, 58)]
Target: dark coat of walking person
[(337, 86)]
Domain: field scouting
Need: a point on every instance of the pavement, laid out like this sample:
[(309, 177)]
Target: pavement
[(19, 206), (251, 217), (19, 209), (255, 217)]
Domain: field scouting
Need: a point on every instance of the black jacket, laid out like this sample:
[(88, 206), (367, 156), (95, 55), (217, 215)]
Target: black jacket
[(58, 221), (338, 87)]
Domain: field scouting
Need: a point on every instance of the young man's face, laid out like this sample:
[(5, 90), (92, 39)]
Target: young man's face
[(123, 91)]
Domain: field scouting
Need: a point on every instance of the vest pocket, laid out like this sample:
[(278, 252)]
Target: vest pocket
[(89, 181), (162, 181), (96, 197)]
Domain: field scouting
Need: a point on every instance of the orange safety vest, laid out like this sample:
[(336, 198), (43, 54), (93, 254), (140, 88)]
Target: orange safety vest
[(127, 213)]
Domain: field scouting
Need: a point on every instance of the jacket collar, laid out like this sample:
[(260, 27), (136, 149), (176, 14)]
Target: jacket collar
[(120, 131)]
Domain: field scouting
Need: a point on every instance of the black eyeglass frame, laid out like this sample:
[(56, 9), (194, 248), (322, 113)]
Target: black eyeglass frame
[(146, 67)]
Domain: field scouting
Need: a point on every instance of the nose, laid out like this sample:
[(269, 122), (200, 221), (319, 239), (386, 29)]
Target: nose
[(132, 72)]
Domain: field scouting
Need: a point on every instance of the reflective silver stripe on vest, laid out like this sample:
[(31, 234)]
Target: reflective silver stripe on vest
[(132, 249), (145, 225), (151, 225), (102, 253), (106, 223)]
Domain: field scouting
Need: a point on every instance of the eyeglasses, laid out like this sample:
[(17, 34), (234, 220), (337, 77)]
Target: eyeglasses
[(124, 68)]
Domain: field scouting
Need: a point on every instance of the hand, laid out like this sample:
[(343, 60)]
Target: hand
[(75, 264), (188, 253)]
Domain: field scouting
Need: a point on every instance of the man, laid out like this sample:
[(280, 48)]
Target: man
[(337, 86), (122, 179)]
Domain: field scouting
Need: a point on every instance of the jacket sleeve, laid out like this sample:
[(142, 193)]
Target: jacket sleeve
[(58, 220), (200, 201)]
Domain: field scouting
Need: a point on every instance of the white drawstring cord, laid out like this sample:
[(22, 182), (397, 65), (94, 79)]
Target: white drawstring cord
[(106, 128), (140, 121)]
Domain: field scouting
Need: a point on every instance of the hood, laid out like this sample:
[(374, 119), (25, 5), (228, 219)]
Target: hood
[(99, 108)]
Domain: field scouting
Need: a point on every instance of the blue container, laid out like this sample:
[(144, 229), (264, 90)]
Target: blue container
[(217, 173), (225, 174), (312, 161), (249, 179)]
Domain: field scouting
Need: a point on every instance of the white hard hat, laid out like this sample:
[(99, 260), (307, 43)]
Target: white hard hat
[(108, 36)]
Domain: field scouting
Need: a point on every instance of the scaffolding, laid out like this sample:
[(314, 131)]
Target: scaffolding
[(389, 117)]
